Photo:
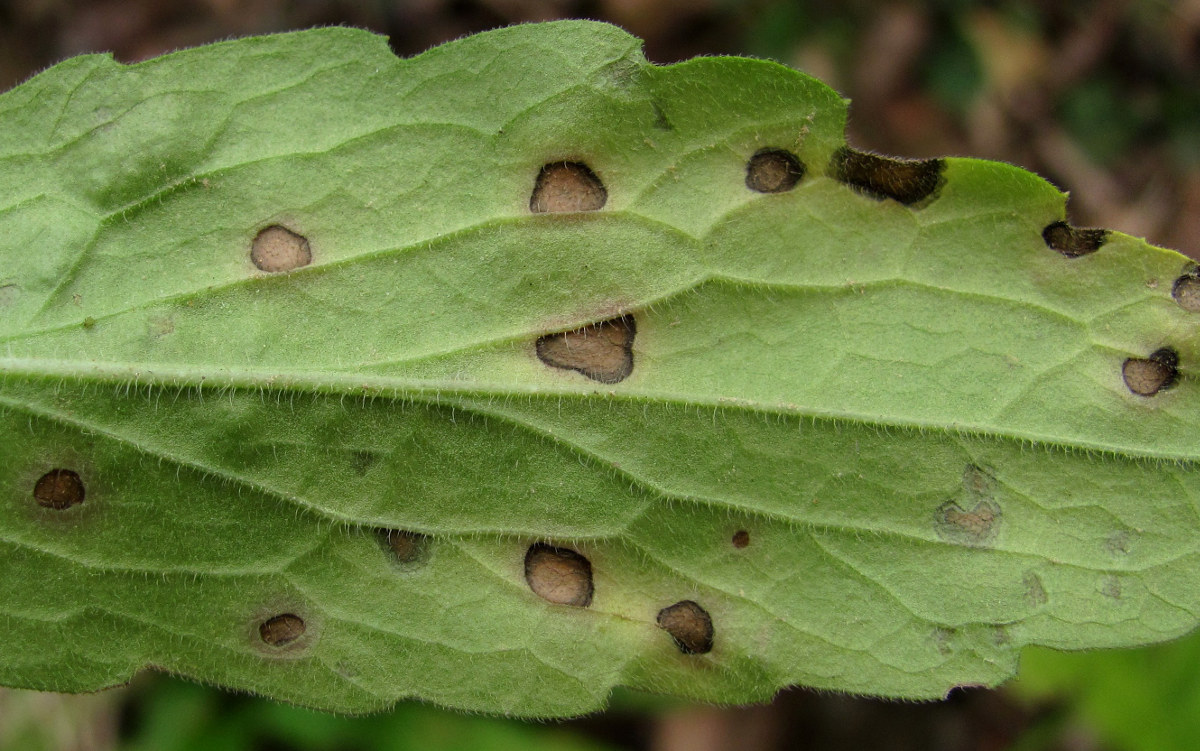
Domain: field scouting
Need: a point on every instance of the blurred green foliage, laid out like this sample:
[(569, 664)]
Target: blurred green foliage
[(1136, 700), (174, 715)]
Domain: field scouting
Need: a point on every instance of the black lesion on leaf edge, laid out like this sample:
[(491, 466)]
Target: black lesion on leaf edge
[(1074, 242), (908, 181)]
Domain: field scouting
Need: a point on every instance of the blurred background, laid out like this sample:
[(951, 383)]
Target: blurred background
[(1102, 98)]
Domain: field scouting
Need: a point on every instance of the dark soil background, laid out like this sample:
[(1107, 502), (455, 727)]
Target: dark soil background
[(1102, 98)]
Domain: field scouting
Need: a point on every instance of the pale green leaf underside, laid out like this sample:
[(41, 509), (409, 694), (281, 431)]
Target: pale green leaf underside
[(916, 412)]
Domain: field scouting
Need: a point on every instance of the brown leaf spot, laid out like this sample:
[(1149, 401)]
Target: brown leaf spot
[(689, 625), (406, 548), (1073, 242), (741, 539), (1186, 291), (1146, 376), (602, 351), (975, 527), (773, 171), (1035, 592), (978, 482), (59, 489), (1118, 543), (567, 186), (278, 249), (905, 180), (1110, 587), (559, 575), (281, 630)]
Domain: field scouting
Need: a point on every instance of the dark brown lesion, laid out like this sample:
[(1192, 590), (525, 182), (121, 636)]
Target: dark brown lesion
[(565, 187), (773, 171), (559, 575), (281, 630), (1073, 242), (689, 625), (908, 181), (1146, 376), (59, 489), (601, 351), (405, 547), (1186, 291)]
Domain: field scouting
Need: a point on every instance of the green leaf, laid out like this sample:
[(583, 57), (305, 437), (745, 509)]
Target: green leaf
[(523, 369), (1144, 699)]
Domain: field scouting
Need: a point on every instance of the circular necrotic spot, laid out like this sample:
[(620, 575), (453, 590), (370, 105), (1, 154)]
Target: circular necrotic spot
[(281, 630), (773, 171), (559, 575), (741, 539), (406, 548), (689, 625), (278, 249), (1073, 242), (567, 186), (1146, 376), (59, 489), (1186, 291)]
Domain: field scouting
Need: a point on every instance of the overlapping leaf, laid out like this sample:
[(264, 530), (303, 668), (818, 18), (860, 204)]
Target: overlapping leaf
[(523, 368)]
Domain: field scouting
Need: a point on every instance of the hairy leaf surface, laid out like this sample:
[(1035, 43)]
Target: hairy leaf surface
[(523, 368)]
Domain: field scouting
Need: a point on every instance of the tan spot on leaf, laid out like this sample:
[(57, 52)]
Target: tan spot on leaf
[(281, 630), (975, 527), (1146, 376), (559, 575), (277, 249), (601, 351), (567, 186), (1186, 291)]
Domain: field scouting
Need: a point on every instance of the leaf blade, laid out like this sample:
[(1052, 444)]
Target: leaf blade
[(882, 445)]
